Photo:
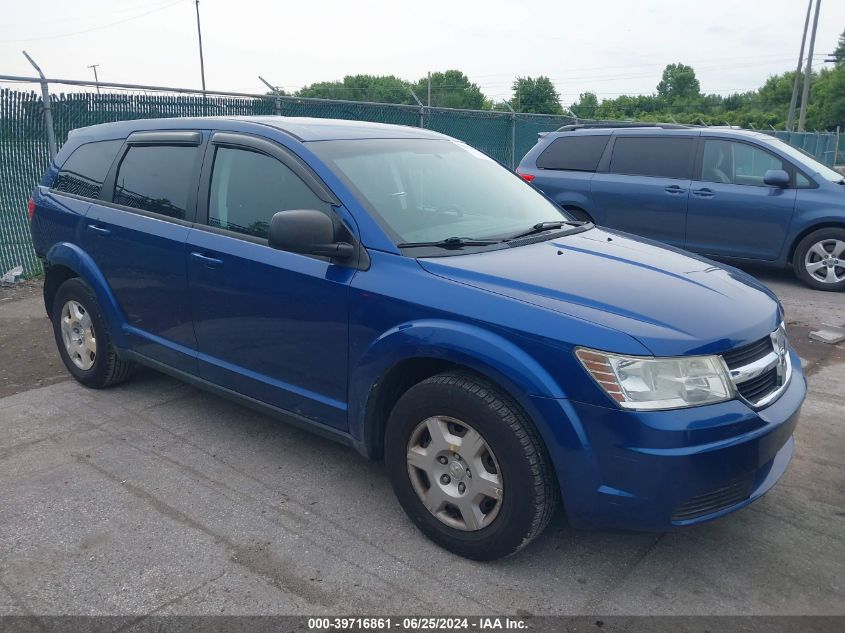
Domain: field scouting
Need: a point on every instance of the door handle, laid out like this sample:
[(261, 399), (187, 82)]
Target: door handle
[(674, 189), (211, 262), (704, 192), (99, 230)]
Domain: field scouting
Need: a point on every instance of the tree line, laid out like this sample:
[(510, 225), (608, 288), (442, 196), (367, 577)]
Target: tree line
[(677, 97)]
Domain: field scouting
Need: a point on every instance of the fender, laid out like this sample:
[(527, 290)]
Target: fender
[(805, 222), (574, 199), (478, 349), (73, 257)]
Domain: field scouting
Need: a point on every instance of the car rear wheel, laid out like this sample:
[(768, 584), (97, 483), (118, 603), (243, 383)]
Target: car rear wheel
[(819, 259), (579, 214), (468, 467), (83, 339)]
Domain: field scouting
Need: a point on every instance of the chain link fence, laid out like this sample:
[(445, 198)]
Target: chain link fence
[(24, 152)]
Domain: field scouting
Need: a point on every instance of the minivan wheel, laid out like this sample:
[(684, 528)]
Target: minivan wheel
[(579, 214), (819, 259), (468, 466), (83, 339)]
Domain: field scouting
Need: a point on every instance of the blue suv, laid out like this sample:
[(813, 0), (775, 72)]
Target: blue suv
[(399, 291), (735, 195)]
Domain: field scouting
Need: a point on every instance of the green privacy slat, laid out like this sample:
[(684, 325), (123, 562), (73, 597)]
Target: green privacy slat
[(23, 149)]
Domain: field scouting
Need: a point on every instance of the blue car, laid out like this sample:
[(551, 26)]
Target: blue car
[(401, 292), (735, 195)]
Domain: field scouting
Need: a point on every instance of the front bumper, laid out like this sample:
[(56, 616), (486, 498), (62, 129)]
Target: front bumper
[(660, 470)]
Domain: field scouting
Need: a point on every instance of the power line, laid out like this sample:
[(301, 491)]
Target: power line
[(95, 28), (85, 17), (549, 72)]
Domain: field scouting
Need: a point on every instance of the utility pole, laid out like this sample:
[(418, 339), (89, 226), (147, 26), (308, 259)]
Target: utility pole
[(96, 79), (199, 36), (429, 88), (790, 119), (805, 96)]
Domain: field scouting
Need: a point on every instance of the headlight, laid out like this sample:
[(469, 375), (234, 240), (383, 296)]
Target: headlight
[(648, 383)]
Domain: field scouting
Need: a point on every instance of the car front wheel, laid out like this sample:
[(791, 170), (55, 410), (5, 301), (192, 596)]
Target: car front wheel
[(468, 467), (819, 259)]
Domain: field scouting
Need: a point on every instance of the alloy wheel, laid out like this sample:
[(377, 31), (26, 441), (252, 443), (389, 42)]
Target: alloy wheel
[(825, 261)]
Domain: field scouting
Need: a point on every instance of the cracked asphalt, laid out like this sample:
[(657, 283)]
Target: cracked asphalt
[(157, 498)]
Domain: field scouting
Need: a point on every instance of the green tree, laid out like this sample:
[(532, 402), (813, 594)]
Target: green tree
[(381, 89), (587, 105), (451, 89), (679, 83), (538, 96), (839, 52), (826, 108)]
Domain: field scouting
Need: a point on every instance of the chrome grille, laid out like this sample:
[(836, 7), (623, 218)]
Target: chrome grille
[(761, 370)]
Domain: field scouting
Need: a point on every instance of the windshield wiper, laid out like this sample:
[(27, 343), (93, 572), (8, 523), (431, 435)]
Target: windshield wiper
[(450, 242), (547, 226)]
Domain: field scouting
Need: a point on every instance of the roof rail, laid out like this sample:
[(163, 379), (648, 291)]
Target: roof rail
[(620, 124)]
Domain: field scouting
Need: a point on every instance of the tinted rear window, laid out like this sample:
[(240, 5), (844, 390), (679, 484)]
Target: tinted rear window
[(86, 168), (156, 178), (652, 156), (575, 153)]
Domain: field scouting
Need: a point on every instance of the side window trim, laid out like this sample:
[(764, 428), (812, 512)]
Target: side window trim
[(699, 161), (165, 137), (107, 192)]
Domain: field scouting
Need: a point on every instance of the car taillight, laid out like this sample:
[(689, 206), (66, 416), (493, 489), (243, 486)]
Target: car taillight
[(526, 177), (30, 208)]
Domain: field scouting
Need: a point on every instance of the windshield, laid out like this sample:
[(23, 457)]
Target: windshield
[(424, 190), (805, 160)]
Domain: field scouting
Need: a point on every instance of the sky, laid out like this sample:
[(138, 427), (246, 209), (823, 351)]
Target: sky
[(609, 47)]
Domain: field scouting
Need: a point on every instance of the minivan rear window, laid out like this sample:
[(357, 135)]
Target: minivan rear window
[(156, 178), (665, 156), (86, 168), (573, 153)]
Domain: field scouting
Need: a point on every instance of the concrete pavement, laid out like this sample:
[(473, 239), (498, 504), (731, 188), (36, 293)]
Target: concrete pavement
[(157, 498)]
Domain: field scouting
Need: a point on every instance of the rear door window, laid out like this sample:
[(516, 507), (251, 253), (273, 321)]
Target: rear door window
[(156, 178), (84, 172), (667, 157), (573, 153)]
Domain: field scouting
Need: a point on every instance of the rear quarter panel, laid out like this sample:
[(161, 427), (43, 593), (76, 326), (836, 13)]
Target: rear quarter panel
[(567, 188)]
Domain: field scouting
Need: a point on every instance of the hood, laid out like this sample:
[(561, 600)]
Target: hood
[(671, 301)]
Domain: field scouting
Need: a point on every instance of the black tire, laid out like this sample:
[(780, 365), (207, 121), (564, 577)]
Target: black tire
[(801, 251), (530, 491), (108, 368), (579, 213)]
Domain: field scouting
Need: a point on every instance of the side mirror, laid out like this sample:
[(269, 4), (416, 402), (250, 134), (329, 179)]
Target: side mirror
[(308, 232), (776, 178)]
